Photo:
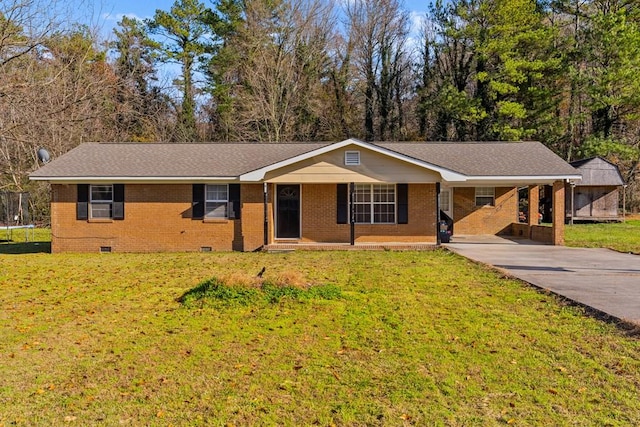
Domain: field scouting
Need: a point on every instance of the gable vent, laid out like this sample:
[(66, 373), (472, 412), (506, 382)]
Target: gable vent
[(351, 158)]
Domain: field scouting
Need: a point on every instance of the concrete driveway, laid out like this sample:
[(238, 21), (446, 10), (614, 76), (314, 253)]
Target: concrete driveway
[(603, 279)]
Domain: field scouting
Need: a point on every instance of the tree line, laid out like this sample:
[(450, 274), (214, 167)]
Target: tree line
[(564, 72)]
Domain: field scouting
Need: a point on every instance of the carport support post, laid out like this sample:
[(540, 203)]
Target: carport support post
[(573, 206), (534, 207), (438, 240), (558, 213)]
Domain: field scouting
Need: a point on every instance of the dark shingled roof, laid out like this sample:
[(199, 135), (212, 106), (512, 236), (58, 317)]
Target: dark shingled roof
[(169, 160), (527, 158), (202, 160)]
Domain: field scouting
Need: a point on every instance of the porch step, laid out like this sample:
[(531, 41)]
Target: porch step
[(289, 247)]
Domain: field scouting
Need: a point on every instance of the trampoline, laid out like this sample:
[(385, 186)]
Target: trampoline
[(14, 215)]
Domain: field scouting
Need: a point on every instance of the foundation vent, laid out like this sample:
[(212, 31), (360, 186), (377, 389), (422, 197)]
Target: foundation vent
[(105, 249)]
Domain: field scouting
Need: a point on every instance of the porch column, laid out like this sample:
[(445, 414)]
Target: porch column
[(534, 206), (558, 214), (438, 238), (352, 214), (265, 201)]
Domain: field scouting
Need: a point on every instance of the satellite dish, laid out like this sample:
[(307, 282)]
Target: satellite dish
[(43, 155)]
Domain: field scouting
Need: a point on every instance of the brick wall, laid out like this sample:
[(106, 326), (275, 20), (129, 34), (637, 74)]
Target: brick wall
[(471, 219), (157, 219), (252, 196), (319, 218)]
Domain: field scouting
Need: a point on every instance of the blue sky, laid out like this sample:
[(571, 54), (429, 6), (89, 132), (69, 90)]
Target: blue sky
[(111, 11)]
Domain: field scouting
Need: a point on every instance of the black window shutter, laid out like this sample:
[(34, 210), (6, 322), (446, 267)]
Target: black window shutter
[(197, 205), (343, 204), (403, 203), (234, 200), (118, 201), (82, 207)]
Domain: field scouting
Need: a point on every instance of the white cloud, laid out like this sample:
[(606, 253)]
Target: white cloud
[(117, 17)]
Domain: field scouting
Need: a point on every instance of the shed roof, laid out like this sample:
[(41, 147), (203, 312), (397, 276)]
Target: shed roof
[(597, 171), (149, 161)]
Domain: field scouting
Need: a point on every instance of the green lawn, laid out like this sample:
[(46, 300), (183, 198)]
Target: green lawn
[(624, 237), (413, 338)]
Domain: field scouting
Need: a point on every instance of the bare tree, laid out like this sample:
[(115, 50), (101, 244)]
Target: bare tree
[(283, 51), (378, 32), (56, 90)]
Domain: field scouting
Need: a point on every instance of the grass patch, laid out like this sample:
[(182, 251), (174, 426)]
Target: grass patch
[(215, 292), (415, 338), (623, 237)]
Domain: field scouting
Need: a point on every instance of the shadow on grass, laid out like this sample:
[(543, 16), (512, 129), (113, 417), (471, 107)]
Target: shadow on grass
[(11, 248)]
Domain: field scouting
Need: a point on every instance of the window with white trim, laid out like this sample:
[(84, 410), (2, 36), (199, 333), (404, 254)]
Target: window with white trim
[(101, 201), (485, 196), (445, 201), (216, 200), (375, 203)]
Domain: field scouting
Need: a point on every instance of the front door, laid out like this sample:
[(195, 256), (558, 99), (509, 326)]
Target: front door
[(288, 211)]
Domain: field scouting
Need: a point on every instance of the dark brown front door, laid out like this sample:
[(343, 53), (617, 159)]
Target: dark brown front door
[(288, 212)]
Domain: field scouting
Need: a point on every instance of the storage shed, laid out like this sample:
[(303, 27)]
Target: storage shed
[(597, 196)]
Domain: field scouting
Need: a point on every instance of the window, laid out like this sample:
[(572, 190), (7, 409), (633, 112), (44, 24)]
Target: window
[(101, 201), (351, 158), (375, 203), (445, 200), (216, 201), (485, 196)]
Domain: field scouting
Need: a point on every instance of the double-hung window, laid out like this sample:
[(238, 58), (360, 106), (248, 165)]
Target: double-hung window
[(216, 201), (485, 196), (101, 201), (375, 203)]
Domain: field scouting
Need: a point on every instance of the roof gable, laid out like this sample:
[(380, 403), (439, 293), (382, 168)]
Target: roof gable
[(259, 174), (333, 167)]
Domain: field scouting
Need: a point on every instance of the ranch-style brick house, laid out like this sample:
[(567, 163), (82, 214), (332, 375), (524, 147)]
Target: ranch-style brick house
[(146, 197)]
